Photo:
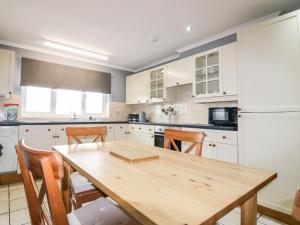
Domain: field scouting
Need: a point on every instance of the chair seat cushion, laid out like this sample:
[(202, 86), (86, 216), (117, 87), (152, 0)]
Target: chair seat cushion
[(100, 212), (80, 183)]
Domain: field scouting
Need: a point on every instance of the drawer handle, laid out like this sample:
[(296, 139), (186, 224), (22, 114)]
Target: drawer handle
[(224, 137), (210, 145), (214, 145), (57, 136), (149, 129), (27, 130), (132, 128), (1, 147), (140, 128), (62, 129), (54, 136), (121, 127), (49, 129)]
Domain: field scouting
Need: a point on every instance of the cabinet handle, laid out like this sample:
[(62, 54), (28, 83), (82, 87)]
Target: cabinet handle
[(140, 128), (152, 136), (224, 137), (239, 109), (49, 129), (147, 100), (214, 145), (125, 132), (27, 130), (10, 93), (121, 127), (132, 128), (177, 83), (149, 129), (54, 136), (57, 136), (62, 129), (210, 145), (239, 116), (224, 93), (128, 132), (193, 96)]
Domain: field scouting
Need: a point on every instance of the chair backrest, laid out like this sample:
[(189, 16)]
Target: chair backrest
[(296, 207), (74, 133), (50, 170), (196, 139)]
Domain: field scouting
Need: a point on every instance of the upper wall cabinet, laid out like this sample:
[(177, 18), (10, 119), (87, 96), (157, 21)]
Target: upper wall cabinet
[(180, 72), (7, 65), (137, 88), (157, 84), (215, 74)]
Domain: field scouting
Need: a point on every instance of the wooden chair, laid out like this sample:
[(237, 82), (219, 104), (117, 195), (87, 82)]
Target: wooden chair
[(82, 190), (49, 166), (195, 137), (296, 208)]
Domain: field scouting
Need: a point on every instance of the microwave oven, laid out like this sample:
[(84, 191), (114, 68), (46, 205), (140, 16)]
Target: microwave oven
[(223, 116)]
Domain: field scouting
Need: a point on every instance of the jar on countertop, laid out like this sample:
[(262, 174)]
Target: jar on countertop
[(11, 111)]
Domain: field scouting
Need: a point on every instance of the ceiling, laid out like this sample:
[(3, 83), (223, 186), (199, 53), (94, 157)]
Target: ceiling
[(124, 29)]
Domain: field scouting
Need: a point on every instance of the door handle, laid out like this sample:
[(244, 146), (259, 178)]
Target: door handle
[(1, 153)]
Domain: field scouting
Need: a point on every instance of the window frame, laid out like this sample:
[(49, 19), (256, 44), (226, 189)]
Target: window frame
[(52, 113)]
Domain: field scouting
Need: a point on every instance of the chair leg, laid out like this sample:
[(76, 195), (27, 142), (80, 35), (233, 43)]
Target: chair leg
[(78, 203)]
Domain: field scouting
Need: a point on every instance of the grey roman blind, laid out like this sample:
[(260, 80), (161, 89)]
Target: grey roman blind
[(52, 75)]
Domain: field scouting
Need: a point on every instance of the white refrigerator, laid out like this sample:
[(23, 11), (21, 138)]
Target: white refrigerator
[(269, 105)]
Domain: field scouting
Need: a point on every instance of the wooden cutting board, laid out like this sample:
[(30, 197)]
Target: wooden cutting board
[(133, 155)]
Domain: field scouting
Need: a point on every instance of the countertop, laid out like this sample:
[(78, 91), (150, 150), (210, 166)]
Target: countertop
[(47, 122)]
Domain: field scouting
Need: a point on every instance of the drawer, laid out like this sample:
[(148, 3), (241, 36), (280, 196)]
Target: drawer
[(121, 127), (36, 130), (141, 128), (226, 137), (210, 134)]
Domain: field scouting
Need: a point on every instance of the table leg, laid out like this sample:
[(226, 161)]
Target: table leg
[(65, 187), (249, 211)]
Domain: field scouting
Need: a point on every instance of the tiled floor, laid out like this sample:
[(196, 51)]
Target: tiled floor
[(13, 209)]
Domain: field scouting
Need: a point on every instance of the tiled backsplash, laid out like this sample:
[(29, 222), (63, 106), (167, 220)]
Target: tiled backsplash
[(187, 110)]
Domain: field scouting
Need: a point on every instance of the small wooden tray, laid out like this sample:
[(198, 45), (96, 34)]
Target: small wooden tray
[(133, 155)]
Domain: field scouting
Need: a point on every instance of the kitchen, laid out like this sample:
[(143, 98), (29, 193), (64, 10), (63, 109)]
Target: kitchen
[(239, 86)]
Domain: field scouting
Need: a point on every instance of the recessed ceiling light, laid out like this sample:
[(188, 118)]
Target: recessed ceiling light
[(188, 28), (75, 50)]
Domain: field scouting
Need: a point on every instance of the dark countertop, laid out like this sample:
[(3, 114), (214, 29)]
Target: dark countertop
[(45, 122)]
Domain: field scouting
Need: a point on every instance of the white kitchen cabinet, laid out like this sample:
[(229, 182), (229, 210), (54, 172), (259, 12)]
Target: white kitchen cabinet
[(180, 72), (137, 88), (140, 133), (229, 65), (157, 89), (38, 136), (218, 144), (121, 132), (208, 74), (7, 65), (269, 65), (225, 152)]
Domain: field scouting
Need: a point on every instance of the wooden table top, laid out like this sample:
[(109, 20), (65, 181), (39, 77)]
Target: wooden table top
[(175, 189)]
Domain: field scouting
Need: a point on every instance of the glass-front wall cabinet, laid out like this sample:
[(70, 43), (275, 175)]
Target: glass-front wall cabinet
[(157, 85), (207, 72)]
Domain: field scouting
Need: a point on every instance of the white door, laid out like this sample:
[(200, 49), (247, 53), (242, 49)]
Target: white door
[(229, 64), (227, 153), (8, 158), (269, 66), (180, 72), (131, 84), (7, 64), (271, 141)]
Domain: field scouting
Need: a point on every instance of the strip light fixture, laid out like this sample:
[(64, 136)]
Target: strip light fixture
[(75, 50)]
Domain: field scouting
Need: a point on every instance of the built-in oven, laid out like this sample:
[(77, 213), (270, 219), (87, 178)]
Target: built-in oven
[(223, 116), (159, 139)]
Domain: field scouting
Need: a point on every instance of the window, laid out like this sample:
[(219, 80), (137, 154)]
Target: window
[(59, 103), (38, 99), (68, 102)]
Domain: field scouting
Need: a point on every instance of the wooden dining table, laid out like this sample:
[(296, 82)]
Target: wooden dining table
[(175, 188)]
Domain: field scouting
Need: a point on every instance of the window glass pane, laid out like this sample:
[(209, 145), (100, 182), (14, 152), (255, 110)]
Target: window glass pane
[(38, 99), (94, 102), (68, 102)]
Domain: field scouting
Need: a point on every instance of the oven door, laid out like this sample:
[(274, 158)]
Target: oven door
[(159, 141)]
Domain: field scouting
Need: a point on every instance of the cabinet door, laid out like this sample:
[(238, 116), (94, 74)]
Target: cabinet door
[(7, 64), (121, 135), (207, 150), (227, 153), (131, 86), (39, 136), (208, 74), (180, 72), (157, 84), (269, 66), (229, 64), (142, 87), (143, 138)]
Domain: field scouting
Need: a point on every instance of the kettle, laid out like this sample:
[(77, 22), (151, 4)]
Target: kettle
[(143, 117)]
